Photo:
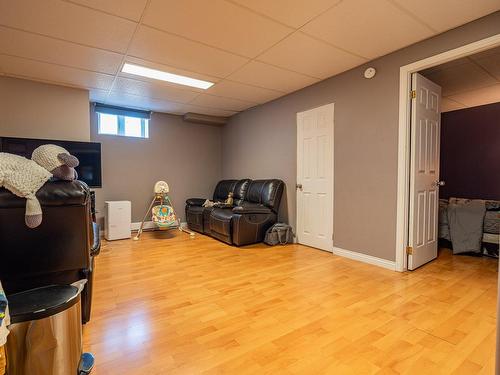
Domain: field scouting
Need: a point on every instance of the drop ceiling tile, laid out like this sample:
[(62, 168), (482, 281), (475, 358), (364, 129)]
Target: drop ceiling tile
[(237, 90), (158, 46), (294, 13), (304, 54), (40, 71), (446, 14), (69, 22), (23, 44), (219, 102), (367, 29), (490, 53), (141, 102), (131, 9), (450, 105), (484, 95), (263, 75), (156, 105), (175, 109), (217, 23), (155, 90), (489, 62), (460, 78), (447, 65)]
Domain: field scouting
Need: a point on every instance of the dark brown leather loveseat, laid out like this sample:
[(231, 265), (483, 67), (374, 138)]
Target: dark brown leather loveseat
[(60, 251), (255, 209)]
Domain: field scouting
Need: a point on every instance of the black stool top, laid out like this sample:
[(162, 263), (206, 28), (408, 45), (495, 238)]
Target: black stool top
[(41, 302)]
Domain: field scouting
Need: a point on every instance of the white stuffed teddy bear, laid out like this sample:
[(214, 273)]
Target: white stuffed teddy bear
[(23, 177)]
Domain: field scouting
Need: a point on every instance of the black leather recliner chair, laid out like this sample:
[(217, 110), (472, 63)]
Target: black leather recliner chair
[(60, 251), (198, 216), (256, 205)]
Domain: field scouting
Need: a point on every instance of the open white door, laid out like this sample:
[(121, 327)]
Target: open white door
[(424, 177), (315, 177)]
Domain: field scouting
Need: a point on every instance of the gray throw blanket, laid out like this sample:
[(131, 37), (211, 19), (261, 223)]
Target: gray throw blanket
[(444, 227), (465, 218)]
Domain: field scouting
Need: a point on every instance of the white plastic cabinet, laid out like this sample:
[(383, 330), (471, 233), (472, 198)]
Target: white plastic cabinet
[(118, 218)]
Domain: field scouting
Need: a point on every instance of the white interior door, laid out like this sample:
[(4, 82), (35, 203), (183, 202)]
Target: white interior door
[(424, 177), (315, 177)]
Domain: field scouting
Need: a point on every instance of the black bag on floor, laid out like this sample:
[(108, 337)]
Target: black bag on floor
[(279, 233)]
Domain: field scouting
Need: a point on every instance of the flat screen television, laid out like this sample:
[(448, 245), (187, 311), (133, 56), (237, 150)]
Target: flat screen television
[(89, 154)]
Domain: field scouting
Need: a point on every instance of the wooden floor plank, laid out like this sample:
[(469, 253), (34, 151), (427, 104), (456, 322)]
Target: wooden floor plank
[(170, 304)]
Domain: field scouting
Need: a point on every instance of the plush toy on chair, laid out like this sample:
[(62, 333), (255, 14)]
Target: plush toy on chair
[(23, 177)]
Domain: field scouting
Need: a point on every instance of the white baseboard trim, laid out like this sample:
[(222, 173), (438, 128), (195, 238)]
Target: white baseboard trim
[(384, 263), (147, 225), (134, 227)]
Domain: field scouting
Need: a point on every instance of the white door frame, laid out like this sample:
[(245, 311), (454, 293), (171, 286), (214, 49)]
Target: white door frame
[(405, 72)]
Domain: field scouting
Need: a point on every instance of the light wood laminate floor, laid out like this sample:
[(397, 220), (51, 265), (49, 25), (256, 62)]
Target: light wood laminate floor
[(168, 304)]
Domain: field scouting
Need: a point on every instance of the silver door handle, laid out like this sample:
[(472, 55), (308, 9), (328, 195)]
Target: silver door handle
[(299, 186), (440, 183)]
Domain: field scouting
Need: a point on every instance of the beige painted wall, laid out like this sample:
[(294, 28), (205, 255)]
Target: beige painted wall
[(38, 110), (186, 155), (261, 142)]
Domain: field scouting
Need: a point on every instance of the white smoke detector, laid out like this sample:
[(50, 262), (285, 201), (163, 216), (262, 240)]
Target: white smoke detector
[(370, 73)]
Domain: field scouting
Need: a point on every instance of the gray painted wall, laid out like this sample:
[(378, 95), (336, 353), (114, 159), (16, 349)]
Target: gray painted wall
[(39, 110), (261, 142), (186, 155)]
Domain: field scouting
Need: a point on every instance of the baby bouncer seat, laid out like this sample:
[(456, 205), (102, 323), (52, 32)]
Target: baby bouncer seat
[(162, 211)]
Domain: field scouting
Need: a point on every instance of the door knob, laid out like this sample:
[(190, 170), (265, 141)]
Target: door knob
[(440, 183), (299, 186)]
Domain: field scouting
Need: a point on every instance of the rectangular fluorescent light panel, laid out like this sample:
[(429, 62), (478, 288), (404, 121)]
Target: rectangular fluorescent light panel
[(164, 76)]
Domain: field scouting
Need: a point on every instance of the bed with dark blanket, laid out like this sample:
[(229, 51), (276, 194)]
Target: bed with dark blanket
[(470, 226)]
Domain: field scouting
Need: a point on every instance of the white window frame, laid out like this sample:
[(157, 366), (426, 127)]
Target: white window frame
[(121, 126)]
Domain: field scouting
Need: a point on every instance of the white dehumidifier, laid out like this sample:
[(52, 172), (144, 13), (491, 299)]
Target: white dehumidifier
[(117, 219)]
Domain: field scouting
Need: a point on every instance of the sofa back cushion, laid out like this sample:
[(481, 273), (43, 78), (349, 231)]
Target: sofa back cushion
[(266, 192), (61, 244), (223, 188), (240, 191)]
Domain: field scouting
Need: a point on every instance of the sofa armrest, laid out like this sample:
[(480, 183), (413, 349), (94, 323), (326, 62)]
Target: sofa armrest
[(251, 209), (195, 201), (250, 226)]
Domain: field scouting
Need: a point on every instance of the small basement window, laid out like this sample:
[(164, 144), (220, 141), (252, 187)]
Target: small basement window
[(122, 121)]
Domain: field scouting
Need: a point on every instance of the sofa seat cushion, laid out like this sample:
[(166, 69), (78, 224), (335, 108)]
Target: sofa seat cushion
[(220, 221)]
